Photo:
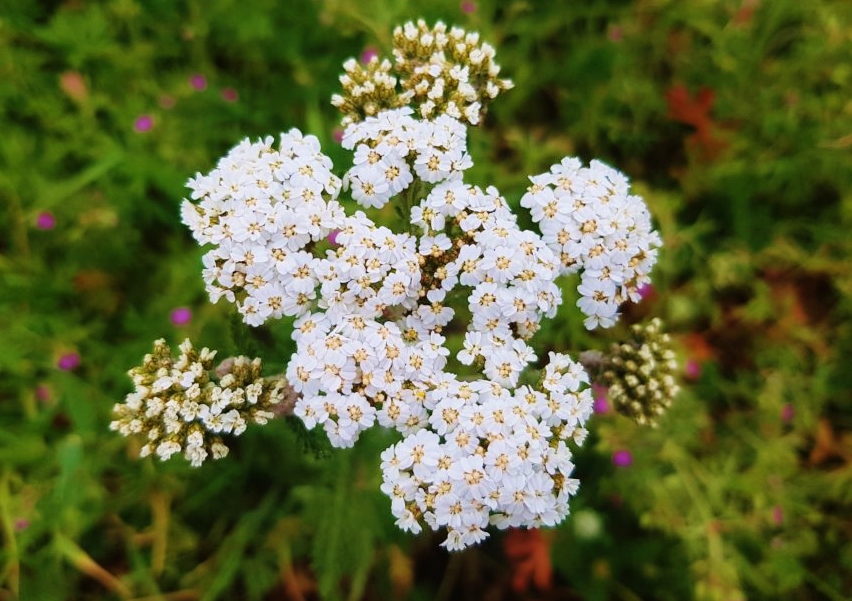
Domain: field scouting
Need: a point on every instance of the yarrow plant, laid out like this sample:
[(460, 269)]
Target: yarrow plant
[(481, 442)]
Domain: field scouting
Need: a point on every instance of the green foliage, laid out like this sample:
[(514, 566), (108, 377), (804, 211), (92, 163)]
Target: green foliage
[(743, 491)]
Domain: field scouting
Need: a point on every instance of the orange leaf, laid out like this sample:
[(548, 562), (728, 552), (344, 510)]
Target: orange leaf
[(528, 552), (74, 86), (695, 112), (698, 348), (826, 445), (744, 14), (683, 109)]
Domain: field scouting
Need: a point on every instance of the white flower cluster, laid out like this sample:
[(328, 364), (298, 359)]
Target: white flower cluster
[(471, 240), (490, 456), (393, 147), (265, 209), (178, 407), (589, 219), (374, 347), (373, 307)]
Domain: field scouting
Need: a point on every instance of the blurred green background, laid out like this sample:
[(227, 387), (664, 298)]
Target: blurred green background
[(733, 119)]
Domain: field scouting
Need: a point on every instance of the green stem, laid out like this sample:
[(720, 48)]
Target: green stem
[(18, 231), (823, 587), (10, 573), (451, 574)]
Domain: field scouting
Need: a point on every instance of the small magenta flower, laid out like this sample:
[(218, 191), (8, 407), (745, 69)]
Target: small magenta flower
[(468, 7), (45, 221), (692, 369), (601, 405), (777, 515), (143, 123), (622, 458), (21, 524), (198, 81), (369, 54), (181, 316), (332, 237), (788, 412), (68, 361), (337, 134), (646, 291), (230, 95)]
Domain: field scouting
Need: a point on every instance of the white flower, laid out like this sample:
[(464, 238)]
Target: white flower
[(419, 452), (473, 343), (167, 448), (501, 263), (369, 186), (598, 302)]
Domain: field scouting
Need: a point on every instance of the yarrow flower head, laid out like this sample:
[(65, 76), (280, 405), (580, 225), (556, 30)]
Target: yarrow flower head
[(487, 427), (393, 148), (490, 455), (265, 209), (181, 406), (591, 222)]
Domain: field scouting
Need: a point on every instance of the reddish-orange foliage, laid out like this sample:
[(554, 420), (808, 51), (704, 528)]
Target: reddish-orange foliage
[(698, 348), (528, 552), (828, 445), (695, 111)]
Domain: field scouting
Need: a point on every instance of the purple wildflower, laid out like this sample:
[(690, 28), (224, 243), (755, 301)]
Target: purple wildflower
[(622, 458), (368, 54), (601, 405), (68, 361), (692, 369), (45, 221), (143, 123), (198, 81), (181, 316)]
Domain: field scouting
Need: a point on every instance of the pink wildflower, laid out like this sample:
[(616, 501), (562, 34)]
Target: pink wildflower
[(368, 54), (622, 458), (143, 123), (692, 369), (68, 361), (198, 81), (181, 316), (601, 405), (45, 221)]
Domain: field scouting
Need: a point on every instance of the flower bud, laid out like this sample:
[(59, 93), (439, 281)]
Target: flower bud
[(639, 374)]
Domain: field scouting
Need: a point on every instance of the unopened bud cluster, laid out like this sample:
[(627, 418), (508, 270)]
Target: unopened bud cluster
[(367, 90), (441, 72), (640, 374), (181, 405)]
